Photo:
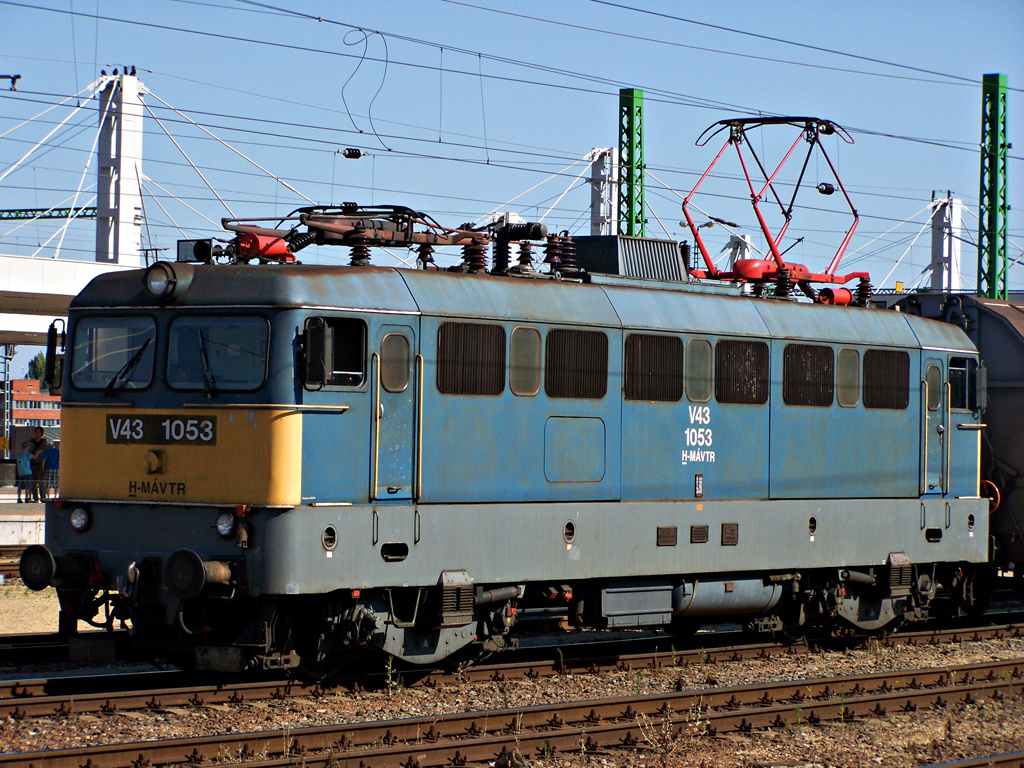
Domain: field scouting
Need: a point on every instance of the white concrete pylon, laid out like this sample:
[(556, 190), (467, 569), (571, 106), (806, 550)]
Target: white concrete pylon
[(119, 188), (604, 191), (946, 216)]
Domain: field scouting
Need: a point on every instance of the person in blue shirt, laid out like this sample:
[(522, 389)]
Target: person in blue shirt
[(51, 469), (24, 460)]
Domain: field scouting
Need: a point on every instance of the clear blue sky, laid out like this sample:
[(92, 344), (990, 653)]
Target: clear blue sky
[(475, 106)]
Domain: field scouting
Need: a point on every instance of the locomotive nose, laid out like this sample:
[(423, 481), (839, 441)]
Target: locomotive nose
[(37, 567), (187, 574)]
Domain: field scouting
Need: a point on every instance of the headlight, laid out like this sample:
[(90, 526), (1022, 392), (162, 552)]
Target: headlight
[(226, 524), (165, 280), (80, 519), (159, 280)]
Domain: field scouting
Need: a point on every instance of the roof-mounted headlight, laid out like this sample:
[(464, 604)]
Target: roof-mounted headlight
[(166, 280)]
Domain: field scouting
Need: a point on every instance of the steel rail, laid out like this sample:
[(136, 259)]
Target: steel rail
[(63, 696), (1008, 759), (547, 729)]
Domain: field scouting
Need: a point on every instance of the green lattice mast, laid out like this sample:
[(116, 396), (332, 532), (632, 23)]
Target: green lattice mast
[(992, 200), (631, 162)]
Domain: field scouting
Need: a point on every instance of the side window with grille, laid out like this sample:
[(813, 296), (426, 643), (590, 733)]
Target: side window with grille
[(886, 379), (808, 375), (470, 359), (741, 372), (654, 368), (576, 364)]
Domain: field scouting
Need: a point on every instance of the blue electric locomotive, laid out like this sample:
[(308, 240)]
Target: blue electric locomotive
[(268, 463)]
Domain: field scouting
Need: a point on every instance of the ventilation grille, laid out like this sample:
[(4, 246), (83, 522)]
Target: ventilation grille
[(899, 579), (576, 364), (631, 257), (741, 372), (470, 359), (654, 368), (698, 534), (667, 536), (886, 379), (456, 605), (807, 375), (730, 534)]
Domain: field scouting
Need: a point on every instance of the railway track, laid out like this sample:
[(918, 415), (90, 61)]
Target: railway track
[(10, 555), (91, 695), (620, 723), (22, 649), (1006, 760)]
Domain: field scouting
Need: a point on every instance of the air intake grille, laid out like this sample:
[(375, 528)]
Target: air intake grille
[(899, 579), (576, 364), (456, 605)]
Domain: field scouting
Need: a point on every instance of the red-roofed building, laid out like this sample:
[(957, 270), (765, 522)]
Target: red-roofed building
[(31, 408)]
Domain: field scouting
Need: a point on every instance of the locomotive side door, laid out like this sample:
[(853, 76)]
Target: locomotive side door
[(394, 388), (933, 439)]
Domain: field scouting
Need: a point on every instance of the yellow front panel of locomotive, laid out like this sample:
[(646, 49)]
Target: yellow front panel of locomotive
[(207, 456)]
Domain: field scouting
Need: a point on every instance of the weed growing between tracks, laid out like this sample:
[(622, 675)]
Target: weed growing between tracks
[(665, 740)]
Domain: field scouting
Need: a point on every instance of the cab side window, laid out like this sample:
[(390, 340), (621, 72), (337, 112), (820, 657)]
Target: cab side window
[(335, 350), (963, 383)]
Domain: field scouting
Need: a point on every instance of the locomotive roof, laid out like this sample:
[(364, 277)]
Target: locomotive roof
[(615, 303)]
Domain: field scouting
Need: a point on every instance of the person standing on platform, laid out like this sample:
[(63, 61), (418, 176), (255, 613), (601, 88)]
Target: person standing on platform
[(38, 449), (24, 461), (51, 469)]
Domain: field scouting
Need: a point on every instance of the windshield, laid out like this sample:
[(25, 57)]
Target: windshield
[(216, 353), (104, 349)]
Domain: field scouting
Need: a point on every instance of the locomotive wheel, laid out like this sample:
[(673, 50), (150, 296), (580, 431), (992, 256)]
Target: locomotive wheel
[(792, 634)]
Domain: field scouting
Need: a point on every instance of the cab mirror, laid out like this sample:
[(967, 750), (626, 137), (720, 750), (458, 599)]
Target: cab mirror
[(53, 372), (981, 395), (319, 351)]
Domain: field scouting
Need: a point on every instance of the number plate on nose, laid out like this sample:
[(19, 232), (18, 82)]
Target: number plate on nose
[(132, 429)]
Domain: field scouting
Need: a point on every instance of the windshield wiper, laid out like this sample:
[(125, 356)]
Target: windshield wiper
[(208, 381), (124, 375)]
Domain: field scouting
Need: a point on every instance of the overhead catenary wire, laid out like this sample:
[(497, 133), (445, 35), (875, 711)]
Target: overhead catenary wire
[(703, 49), (278, 135), (437, 158), (669, 96), (770, 38)]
